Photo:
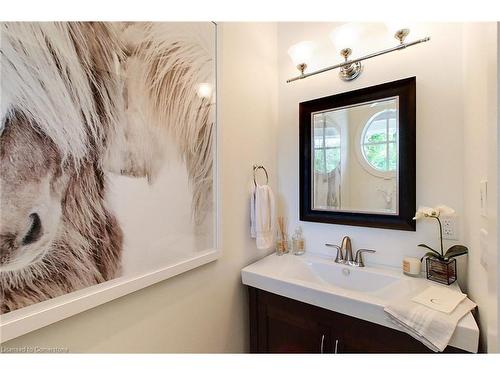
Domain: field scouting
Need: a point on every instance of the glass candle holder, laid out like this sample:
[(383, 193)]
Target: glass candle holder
[(411, 266)]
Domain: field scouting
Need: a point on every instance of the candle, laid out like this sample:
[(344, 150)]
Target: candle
[(411, 266)]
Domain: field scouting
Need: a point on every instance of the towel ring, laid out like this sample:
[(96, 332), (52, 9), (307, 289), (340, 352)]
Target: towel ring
[(255, 169)]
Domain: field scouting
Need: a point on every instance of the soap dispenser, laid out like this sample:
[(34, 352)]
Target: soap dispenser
[(298, 245)]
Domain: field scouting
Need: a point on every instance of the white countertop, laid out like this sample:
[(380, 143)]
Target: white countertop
[(363, 294)]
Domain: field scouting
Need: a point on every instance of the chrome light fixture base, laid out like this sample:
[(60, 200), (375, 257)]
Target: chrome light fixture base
[(350, 71)]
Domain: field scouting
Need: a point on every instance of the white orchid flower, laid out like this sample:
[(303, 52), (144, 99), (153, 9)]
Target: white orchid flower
[(424, 212), (445, 210), (437, 211)]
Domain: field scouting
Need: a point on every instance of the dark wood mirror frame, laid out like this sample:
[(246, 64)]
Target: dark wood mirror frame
[(405, 90)]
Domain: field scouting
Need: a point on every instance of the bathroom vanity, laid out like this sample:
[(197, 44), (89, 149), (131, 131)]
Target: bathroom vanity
[(312, 305)]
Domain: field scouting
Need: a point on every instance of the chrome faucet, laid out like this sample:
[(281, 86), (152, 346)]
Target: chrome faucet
[(344, 253), (347, 247)]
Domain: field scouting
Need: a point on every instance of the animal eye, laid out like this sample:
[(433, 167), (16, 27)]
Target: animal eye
[(35, 230)]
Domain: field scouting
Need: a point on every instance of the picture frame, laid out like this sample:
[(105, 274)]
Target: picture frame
[(405, 91), (35, 316)]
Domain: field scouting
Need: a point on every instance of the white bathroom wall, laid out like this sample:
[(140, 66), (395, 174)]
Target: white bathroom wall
[(480, 69), (437, 66), (203, 310)]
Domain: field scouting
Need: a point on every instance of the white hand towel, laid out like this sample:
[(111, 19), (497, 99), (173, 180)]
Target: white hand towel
[(253, 231), (433, 328), (440, 298), (262, 212)]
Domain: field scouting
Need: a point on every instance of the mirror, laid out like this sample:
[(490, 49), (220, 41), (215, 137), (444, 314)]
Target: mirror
[(358, 157)]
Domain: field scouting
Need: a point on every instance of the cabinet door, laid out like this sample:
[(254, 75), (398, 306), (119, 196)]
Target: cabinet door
[(285, 327), (292, 334), (360, 336)]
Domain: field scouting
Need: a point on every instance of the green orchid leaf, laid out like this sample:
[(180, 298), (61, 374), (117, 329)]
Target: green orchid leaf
[(431, 254), (456, 251), (430, 248)]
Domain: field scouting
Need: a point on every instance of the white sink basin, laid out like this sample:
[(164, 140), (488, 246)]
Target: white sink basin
[(359, 292), (346, 277)]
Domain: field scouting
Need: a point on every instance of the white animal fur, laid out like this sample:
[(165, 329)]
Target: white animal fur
[(167, 60), (48, 75), (59, 100), (166, 64)]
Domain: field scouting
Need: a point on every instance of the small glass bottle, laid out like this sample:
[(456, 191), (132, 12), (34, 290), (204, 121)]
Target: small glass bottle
[(286, 245), (281, 245), (298, 243)]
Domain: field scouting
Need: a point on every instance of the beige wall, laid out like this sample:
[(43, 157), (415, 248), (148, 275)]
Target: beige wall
[(480, 69), (203, 310)]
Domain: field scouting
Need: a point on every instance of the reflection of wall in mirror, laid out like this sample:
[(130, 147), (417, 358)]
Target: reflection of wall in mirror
[(330, 188), (368, 191)]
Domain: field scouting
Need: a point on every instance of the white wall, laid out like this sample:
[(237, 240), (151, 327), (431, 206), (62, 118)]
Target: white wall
[(437, 66), (203, 310), (480, 68)]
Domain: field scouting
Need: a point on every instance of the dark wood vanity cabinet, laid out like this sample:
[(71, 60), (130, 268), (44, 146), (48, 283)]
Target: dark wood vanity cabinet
[(283, 325)]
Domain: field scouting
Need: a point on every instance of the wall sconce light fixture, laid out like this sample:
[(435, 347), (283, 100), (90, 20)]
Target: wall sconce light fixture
[(301, 54), (343, 38), (351, 69)]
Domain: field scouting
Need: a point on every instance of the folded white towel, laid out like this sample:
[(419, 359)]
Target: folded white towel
[(433, 328), (262, 213), (440, 298)]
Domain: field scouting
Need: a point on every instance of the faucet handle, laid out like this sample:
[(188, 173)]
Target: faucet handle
[(359, 256), (340, 257)]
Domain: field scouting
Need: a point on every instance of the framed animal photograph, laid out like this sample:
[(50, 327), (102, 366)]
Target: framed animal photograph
[(108, 162)]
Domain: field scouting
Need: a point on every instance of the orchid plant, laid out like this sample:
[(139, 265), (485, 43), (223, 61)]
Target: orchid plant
[(436, 213)]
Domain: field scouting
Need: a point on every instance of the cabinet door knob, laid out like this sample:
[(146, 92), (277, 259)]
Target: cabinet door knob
[(322, 342), (336, 345)]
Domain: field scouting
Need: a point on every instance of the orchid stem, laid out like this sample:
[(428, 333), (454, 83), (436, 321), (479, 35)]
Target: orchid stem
[(440, 235)]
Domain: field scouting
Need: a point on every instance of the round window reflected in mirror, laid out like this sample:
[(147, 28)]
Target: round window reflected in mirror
[(379, 141)]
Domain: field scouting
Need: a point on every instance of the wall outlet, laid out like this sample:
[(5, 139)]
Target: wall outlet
[(450, 227)]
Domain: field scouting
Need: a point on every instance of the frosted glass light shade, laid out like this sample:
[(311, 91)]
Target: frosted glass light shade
[(345, 36), (301, 53)]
